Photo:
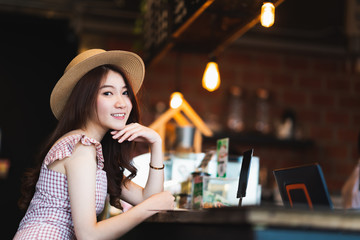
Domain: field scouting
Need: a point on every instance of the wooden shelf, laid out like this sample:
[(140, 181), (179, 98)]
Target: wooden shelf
[(257, 139)]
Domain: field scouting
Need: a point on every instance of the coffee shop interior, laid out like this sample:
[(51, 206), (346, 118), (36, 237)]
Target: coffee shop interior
[(289, 91)]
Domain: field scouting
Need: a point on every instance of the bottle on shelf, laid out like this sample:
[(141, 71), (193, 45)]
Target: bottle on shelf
[(235, 120), (262, 121)]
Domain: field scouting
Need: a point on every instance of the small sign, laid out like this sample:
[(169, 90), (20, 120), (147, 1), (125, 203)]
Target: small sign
[(222, 152)]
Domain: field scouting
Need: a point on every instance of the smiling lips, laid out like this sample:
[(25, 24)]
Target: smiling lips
[(118, 115)]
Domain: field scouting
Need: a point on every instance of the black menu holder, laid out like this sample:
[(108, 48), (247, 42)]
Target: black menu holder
[(244, 175)]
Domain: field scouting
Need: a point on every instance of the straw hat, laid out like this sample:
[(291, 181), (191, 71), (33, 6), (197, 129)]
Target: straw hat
[(129, 63)]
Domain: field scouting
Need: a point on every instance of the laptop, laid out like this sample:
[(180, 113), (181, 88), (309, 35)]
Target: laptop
[(303, 187)]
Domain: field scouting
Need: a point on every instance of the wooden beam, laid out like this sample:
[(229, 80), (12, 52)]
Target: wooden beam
[(181, 120), (220, 48), (192, 18), (195, 119)]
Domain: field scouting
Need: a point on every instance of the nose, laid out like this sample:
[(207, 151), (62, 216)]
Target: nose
[(120, 102)]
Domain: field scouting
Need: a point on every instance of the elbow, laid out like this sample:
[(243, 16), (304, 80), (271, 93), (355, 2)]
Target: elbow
[(87, 237), (85, 234), (82, 237)]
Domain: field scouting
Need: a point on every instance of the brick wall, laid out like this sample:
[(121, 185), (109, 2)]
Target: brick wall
[(320, 88)]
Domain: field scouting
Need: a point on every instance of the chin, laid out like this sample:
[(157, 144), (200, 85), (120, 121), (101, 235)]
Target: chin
[(117, 127)]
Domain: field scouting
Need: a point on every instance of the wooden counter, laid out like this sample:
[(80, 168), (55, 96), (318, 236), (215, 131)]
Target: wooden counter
[(250, 223)]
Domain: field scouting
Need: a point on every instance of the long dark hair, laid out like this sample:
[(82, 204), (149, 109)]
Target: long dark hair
[(78, 109)]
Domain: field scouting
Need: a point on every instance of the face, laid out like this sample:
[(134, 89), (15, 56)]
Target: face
[(113, 102)]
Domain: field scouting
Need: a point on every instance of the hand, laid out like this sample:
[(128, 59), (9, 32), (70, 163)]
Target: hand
[(160, 201), (137, 133)]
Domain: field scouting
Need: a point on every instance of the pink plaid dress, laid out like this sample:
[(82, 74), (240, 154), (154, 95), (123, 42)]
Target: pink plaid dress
[(49, 213)]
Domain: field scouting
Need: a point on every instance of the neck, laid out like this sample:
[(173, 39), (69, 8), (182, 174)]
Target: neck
[(94, 131)]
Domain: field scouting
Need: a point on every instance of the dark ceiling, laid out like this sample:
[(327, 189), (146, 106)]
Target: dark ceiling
[(102, 16), (308, 22)]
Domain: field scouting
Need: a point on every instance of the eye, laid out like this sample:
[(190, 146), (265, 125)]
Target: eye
[(107, 93), (126, 92)]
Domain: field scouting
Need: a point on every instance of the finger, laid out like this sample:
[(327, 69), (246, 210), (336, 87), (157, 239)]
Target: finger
[(119, 133), (130, 135), (134, 136), (116, 131)]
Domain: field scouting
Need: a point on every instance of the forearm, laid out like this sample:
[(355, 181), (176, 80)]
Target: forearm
[(155, 182), (117, 226)]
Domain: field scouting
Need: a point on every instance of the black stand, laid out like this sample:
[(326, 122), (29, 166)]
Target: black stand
[(244, 175)]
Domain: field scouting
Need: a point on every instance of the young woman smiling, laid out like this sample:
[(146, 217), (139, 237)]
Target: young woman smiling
[(85, 158)]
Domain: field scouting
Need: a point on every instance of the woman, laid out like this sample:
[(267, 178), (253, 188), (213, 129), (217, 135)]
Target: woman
[(87, 153)]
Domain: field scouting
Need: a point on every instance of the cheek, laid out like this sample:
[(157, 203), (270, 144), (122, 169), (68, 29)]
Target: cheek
[(129, 105), (100, 107)]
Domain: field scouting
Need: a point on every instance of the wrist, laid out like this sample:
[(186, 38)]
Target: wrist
[(156, 144), (156, 154), (157, 167)]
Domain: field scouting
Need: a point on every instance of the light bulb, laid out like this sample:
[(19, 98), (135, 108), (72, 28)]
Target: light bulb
[(267, 17), (176, 100), (211, 78)]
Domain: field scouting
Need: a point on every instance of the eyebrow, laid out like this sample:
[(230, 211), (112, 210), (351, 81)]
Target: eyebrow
[(110, 86)]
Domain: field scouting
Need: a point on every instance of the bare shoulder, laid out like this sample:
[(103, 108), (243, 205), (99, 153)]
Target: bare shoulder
[(82, 154), (81, 150)]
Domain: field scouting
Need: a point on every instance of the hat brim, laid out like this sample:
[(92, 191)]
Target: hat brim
[(129, 63)]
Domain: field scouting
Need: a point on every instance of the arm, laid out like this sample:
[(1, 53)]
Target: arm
[(133, 193), (81, 174), (350, 190)]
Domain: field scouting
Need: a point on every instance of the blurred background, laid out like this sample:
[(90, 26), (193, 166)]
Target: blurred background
[(290, 91)]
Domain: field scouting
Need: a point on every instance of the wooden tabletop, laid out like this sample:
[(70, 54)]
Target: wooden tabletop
[(344, 220)]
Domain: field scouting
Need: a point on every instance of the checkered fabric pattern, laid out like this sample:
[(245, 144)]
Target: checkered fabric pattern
[(49, 213)]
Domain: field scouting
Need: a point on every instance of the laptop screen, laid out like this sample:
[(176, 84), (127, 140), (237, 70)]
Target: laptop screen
[(303, 187)]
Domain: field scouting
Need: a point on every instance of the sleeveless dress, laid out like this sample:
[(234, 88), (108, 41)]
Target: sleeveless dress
[(49, 213)]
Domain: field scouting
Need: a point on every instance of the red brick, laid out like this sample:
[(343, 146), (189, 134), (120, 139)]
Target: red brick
[(191, 71), (350, 102), (321, 133), (294, 98), (163, 68), (159, 85), (269, 61), (309, 116), (356, 119), (337, 118), (347, 135), (296, 63), (227, 76), (338, 84), (310, 82), (357, 86), (339, 151), (326, 66), (354, 153), (232, 58), (192, 59), (343, 168), (334, 183), (319, 99), (251, 78), (282, 80)]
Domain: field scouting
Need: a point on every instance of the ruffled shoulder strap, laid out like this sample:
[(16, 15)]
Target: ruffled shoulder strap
[(65, 147)]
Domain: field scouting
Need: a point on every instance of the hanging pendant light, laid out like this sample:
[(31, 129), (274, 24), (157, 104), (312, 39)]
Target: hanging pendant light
[(267, 17), (176, 100), (211, 77)]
